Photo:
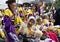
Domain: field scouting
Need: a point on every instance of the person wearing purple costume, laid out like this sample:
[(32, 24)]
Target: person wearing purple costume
[(10, 30)]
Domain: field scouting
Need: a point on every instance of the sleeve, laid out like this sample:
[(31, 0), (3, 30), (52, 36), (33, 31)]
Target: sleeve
[(8, 12)]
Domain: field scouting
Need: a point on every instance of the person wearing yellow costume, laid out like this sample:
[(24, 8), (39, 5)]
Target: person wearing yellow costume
[(39, 23), (10, 14), (33, 30), (11, 11), (21, 9), (30, 28), (27, 28), (25, 12), (46, 19), (16, 21)]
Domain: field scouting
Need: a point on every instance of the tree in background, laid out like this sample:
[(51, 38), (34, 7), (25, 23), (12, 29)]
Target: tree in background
[(57, 4)]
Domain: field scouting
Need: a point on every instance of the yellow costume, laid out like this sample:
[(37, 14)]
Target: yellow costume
[(46, 21), (23, 11), (18, 20), (2, 33), (29, 12), (36, 32), (30, 32), (8, 13)]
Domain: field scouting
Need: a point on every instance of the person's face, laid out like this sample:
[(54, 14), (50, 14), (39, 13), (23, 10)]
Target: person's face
[(31, 22), (33, 7), (47, 17), (40, 21), (13, 5)]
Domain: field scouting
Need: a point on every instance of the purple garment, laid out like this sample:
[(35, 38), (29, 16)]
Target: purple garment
[(9, 28), (50, 41), (6, 18)]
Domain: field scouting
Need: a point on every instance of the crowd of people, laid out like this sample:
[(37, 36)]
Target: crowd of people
[(29, 23)]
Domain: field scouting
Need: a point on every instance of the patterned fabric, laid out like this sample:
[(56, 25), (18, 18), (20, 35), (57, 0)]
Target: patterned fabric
[(10, 30)]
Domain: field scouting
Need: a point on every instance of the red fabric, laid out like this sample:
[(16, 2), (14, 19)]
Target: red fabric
[(52, 36)]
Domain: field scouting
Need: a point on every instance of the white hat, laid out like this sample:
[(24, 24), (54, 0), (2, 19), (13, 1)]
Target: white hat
[(32, 17)]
